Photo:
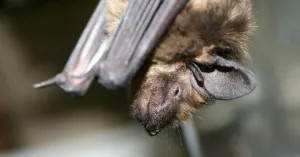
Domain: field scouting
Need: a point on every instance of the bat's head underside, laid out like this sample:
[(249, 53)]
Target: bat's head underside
[(197, 61)]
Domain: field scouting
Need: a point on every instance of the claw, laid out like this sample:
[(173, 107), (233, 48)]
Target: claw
[(58, 79)]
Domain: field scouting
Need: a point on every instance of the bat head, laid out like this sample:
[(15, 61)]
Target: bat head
[(196, 62), (171, 93)]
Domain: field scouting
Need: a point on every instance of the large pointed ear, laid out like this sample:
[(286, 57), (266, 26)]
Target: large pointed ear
[(223, 79)]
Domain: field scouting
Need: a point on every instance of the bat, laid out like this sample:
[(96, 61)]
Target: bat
[(175, 55)]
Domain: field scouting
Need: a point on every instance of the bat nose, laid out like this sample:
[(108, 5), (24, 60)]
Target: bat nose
[(152, 131)]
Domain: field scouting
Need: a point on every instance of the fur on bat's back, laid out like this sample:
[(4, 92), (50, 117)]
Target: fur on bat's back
[(200, 29)]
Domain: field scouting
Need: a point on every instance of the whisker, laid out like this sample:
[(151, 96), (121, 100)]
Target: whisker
[(179, 135)]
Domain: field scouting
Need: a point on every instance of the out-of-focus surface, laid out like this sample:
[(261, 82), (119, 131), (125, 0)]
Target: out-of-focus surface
[(36, 39)]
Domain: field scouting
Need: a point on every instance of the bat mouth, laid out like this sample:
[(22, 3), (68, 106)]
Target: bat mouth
[(154, 124), (151, 129)]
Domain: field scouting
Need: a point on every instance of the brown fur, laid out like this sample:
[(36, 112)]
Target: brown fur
[(200, 27), (201, 30)]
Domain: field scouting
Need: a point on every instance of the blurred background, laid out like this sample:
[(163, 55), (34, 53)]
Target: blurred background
[(36, 39)]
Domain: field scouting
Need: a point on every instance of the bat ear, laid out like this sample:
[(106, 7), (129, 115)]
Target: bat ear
[(224, 79)]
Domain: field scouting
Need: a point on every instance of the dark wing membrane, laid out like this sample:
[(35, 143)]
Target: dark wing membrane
[(117, 60), (84, 51), (140, 28)]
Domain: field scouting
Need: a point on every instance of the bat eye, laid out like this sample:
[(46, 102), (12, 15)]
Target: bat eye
[(177, 91)]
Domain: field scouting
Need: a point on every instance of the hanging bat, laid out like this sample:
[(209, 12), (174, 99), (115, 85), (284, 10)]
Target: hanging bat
[(175, 55)]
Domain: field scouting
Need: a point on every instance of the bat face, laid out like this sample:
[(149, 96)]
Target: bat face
[(158, 101)]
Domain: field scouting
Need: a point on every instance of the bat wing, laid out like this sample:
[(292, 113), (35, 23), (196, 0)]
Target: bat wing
[(85, 49), (116, 60)]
